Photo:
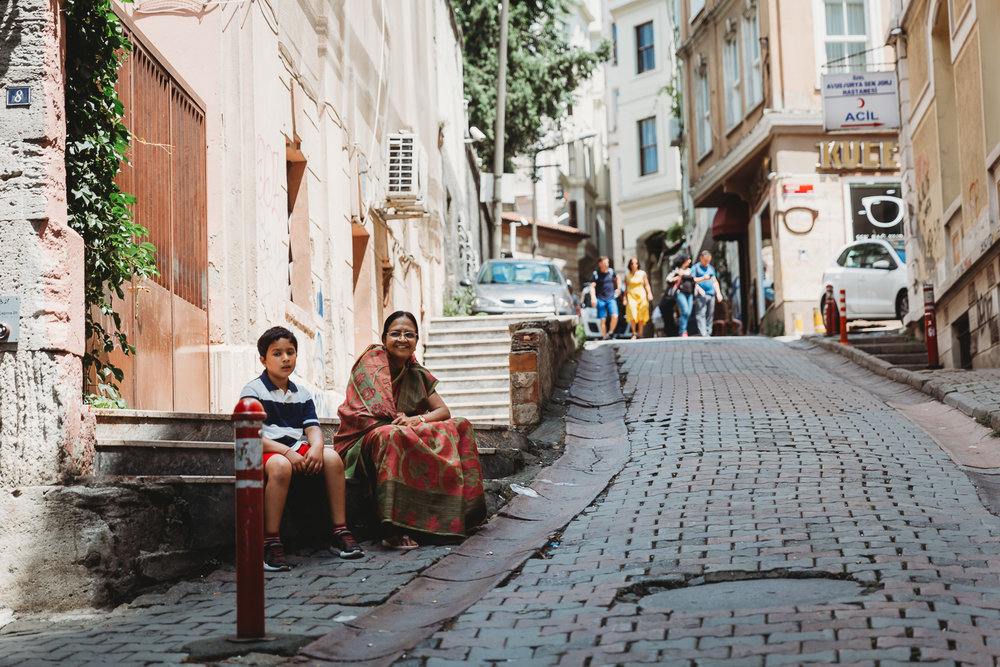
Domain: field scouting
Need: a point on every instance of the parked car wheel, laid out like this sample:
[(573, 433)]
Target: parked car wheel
[(902, 304)]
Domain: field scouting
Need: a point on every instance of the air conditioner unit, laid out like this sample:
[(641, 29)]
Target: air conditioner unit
[(407, 178)]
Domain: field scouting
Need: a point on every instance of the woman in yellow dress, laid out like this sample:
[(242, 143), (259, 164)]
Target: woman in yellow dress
[(637, 298)]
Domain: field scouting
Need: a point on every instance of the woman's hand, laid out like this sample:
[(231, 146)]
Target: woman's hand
[(403, 420)]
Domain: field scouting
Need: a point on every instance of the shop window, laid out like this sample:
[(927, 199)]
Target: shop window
[(876, 210)]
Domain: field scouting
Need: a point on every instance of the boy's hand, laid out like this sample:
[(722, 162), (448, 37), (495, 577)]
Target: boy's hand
[(313, 461), (297, 460)]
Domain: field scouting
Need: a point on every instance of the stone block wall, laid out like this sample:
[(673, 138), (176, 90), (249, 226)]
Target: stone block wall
[(538, 349)]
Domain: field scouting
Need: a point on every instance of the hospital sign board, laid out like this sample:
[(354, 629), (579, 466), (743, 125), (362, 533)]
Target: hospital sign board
[(860, 101)]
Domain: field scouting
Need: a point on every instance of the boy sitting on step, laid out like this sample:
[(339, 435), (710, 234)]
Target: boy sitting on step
[(293, 445)]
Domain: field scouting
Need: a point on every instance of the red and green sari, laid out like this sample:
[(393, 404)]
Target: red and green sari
[(424, 478)]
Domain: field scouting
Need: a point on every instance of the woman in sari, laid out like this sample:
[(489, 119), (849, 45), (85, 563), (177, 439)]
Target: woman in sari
[(398, 435)]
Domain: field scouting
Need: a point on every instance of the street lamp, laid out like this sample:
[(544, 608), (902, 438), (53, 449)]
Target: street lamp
[(534, 183)]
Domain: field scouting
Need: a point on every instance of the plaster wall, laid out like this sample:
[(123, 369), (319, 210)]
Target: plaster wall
[(41, 262), (324, 84)]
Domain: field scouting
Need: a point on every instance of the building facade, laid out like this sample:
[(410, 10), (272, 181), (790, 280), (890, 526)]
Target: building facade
[(785, 180), (950, 141), (642, 130), (335, 187)]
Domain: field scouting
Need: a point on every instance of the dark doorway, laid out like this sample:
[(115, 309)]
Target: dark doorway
[(963, 340)]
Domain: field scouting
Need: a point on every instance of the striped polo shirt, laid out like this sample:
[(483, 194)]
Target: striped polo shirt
[(289, 413)]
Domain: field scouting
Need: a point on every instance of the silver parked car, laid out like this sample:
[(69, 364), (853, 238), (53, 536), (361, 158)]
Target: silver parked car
[(873, 274), (521, 286)]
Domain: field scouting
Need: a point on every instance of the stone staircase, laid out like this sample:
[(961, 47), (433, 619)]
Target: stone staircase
[(469, 356), (892, 348), (198, 448)]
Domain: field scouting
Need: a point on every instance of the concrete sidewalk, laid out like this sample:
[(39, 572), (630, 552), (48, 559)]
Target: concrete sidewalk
[(974, 392), (370, 610)]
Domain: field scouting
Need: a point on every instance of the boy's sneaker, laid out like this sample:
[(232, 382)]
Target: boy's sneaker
[(345, 546), (274, 558)]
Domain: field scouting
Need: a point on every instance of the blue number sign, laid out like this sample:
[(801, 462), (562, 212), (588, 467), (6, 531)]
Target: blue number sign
[(19, 97)]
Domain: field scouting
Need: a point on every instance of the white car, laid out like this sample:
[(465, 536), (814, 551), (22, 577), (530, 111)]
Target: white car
[(873, 274)]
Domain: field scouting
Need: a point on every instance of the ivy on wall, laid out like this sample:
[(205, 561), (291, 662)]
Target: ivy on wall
[(96, 146)]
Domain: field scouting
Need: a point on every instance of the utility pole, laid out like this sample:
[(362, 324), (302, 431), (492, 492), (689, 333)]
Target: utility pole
[(534, 203), (499, 134)]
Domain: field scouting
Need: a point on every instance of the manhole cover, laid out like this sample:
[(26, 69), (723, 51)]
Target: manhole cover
[(753, 594)]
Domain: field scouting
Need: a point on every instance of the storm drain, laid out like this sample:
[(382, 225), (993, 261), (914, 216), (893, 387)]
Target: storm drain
[(752, 594)]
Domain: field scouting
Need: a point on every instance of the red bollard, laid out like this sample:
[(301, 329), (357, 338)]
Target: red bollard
[(930, 327), (843, 318), (830, 314), (247, 419)]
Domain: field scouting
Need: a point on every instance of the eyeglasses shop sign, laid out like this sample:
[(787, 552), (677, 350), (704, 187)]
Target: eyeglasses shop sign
[(860, 101)]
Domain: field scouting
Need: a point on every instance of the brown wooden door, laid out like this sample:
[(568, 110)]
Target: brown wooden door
[(166, 317)]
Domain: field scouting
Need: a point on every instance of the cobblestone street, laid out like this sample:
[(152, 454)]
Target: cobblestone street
[(750, 460), (776, 507)]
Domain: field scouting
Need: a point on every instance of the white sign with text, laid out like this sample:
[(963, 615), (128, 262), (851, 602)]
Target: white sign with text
[(860, 101)]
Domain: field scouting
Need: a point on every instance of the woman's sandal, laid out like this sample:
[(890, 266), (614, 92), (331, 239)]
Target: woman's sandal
[(400, 543)]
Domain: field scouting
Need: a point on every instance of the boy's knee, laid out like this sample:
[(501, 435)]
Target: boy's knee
[(278, 469), (332, 460)]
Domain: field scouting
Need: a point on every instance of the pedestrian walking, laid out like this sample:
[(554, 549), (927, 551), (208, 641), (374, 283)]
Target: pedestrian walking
[(605, 287), (637, 298), (680, 284), (707, 292)]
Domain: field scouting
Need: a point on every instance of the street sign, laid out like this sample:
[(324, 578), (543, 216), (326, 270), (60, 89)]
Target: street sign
[(860, 101), (19, 96), (10, 318)]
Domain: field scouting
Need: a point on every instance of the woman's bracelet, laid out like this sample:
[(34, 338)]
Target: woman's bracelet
[(424, 421)]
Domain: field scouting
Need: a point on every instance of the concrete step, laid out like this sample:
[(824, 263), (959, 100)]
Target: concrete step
[(460, 384), (892, 348), (210, 462), (913, 367), (911, 359), (440, 362), (499, 336), (877, 339), (456, 371), (495, 393), (477, 322)]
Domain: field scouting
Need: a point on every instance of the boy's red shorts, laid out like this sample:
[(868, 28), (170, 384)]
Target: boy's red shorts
[(302, 449)]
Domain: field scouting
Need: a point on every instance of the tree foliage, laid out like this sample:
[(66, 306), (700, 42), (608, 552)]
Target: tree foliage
[(543, 70), (96, 145)]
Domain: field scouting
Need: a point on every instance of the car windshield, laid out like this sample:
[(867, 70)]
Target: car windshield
[(518, 273)]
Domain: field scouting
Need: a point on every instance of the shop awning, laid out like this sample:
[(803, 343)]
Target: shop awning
[(731, 220)]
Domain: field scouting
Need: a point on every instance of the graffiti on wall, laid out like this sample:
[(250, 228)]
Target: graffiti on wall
[(270, 176)]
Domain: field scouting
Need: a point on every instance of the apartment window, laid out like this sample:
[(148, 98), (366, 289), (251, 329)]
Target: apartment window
[(647, 146), (731, 71), (703, 114), (846, 36), (614, 43), (645, 58), (753, 83)]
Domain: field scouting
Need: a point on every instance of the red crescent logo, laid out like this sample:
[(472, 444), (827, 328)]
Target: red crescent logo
[(861, 103)]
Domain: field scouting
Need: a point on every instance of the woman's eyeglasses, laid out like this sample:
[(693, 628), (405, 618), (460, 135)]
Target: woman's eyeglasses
[(408, 335)]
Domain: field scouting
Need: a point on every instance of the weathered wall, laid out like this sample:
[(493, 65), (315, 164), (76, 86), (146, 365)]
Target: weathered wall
[(537, 352), (41, 259)]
